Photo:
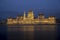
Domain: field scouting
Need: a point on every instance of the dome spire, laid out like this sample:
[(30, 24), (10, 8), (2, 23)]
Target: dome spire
[(24, 15)]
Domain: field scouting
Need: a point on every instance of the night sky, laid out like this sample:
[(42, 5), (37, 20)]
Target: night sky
[(17, 7)]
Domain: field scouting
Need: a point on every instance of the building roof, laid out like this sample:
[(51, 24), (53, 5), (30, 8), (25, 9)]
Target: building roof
[(40, 14), (9, 17), (51, 16), (13, 18), (30, 10), (20, 15)]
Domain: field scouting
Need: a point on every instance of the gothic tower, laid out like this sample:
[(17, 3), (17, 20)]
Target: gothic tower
[(52, 20), (41, 16), (24, 15)]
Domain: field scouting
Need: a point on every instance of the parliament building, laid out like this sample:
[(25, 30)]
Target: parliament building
[(30, 19)]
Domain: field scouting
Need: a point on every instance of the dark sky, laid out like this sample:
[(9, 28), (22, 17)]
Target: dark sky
[(16, 7)]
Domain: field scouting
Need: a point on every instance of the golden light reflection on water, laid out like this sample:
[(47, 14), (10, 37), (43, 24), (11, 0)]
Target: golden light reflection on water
[(21, 28), (27, 29), (31, 31), (31, 27)]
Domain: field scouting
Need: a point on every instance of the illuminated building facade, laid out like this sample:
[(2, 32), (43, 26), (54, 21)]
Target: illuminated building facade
[(29, 19)]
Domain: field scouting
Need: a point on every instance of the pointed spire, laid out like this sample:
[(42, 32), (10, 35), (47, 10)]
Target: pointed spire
[(24, 15)]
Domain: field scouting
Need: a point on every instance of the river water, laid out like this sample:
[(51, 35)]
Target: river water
[(30, 32)]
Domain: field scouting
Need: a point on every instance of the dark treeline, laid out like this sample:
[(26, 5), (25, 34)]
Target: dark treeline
[(57, 20), (3, 21)]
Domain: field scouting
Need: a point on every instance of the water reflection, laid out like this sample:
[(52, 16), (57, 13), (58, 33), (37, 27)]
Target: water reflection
[(26, 32), (31, 32), (21, 28), (45, 32)]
